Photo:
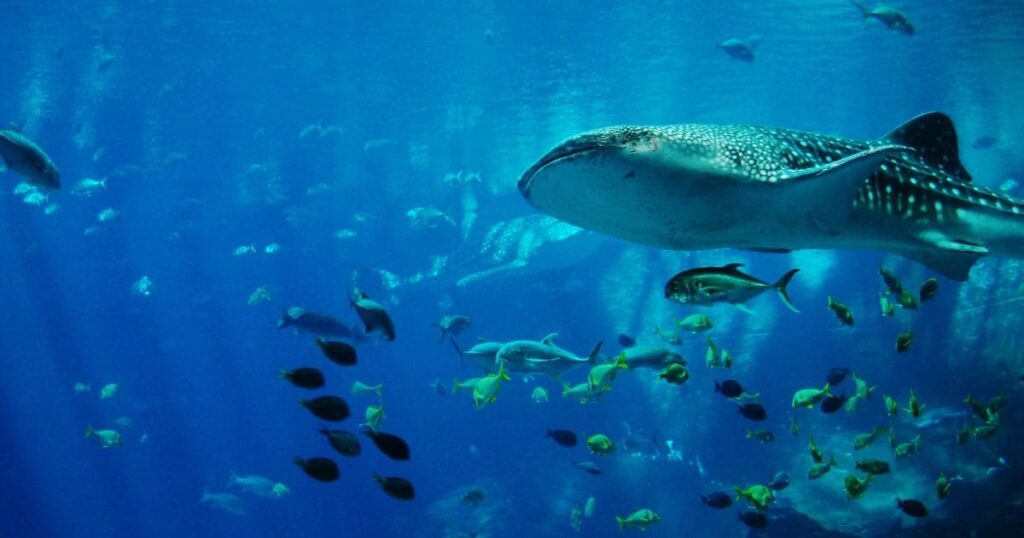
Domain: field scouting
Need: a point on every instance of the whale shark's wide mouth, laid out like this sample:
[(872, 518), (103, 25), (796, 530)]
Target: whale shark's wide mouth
[(570, 150)]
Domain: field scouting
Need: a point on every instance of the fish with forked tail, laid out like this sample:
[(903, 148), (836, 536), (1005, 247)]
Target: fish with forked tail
[(727, 284)]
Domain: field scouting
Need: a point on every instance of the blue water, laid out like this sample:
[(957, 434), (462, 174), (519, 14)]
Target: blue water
[(195, 113)]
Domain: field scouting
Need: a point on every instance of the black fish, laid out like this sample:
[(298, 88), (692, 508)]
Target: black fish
[(754, 520), (340, 353), (832, 403), (346, 443), (836, 376), (929, 288), (392, 446), (565, 438), (307, 378), (588, 467), (396, 487), (322, 469), (330, 408), (626, 340), (912, 507), (729, 388), (718, 499), (753, 411), (984, 142)]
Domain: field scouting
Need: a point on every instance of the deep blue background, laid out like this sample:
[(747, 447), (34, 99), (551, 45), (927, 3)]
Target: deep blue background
[(185, 97)]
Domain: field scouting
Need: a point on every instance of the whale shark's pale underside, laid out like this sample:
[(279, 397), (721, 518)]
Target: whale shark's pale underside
[(692, 187)]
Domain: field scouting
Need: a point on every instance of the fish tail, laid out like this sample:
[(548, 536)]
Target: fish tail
[(455, 385), (780, 286), (592, 358), (622, 523), (89, 431), (285, 321)]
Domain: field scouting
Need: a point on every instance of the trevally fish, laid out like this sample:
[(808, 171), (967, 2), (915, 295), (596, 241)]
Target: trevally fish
[(727, 284), (29, 160), (694, 187), (543, 357)]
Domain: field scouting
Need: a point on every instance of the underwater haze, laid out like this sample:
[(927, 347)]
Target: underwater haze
[(247, 189)]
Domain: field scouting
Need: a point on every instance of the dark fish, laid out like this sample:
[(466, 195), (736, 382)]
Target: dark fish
[(717, 500), (322, 469), (893, 284), (729, 388), (318, 325), (873, 466), (984, 142), (836, 376), (452, 325), (392, 446), (626, 340), (739, 49), (588, 467), (753, 411), (28, 160), (929, 288), (903, 341), (473, 497), (339, 352), (779, 482), (307, 378), (833, 403), (396, 487), (331, 408), (842, 312), (912, 507), (752, 519), (346, 443), (373, 315), (565, 438)]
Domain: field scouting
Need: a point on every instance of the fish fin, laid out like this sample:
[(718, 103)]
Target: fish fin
[(754, 41), (592, 358), (549, 339), (731, 267), (89, 431), (458, 350), (949, 257), (285, 320), (934, 139), (828, 191), (745, 309), (768, 250), (780, 287)]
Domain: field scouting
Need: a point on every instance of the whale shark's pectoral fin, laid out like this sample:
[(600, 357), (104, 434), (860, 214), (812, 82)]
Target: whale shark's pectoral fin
[(828, 191), (949, 257)]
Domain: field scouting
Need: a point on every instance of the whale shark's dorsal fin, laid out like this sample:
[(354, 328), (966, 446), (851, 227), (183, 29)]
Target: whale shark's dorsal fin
[(933, 136), (549, 339)]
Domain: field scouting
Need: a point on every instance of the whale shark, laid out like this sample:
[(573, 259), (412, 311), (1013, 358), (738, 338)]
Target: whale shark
[(698, 186)]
